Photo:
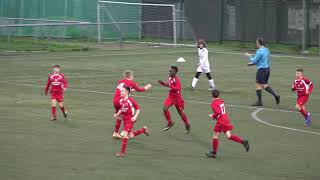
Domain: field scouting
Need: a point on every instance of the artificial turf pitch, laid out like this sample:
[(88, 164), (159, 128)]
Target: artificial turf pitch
[(34, 148)]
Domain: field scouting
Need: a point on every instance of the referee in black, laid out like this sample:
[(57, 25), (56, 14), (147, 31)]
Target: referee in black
[(262, 60)]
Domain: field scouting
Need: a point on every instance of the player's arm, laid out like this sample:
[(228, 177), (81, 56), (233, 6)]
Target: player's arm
[(65, 83), (136, 87), (293, 86), (163, 83), (137, 108), (48, 85), (116, 115), (310, 85), (254, 58), (216, 112)]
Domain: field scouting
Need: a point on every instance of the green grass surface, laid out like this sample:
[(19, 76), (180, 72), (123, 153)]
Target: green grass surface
[(34, 148)]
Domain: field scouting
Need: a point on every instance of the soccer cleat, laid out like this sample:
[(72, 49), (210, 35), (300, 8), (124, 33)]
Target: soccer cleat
[(146, 130), (308, 120), (257, 104), (116, 135), (167, 127), (121, 154), (53, 118), (65, 114), (188, 129), (246, 145), (277, 99), (211, 154)]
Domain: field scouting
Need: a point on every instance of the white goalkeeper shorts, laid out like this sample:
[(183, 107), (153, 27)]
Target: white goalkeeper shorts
[(203, 69)]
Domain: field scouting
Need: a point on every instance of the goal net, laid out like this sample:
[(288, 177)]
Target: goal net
[(155, 24)]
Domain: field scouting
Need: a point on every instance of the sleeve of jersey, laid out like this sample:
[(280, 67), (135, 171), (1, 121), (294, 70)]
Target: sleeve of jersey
[(48, 85), (135, 105), (215, 111), (310, 84), (65, 82), (254, 59), (136, 87), (176, 86)]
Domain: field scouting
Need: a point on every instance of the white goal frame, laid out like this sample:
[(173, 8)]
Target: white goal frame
[(100, 2)]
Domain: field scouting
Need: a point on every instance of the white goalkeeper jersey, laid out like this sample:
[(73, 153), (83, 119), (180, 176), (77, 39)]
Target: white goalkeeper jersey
[(203, 58)]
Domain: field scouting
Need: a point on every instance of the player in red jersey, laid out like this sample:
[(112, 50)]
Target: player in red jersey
[(128, 82), (304, 87), (174, 98), (223, 125), (129, 112), (57, 84)]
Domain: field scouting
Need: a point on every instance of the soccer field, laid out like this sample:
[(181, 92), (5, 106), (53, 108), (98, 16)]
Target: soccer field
[(34, 148)]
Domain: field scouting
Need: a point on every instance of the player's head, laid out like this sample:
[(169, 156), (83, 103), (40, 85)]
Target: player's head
[(215, 93), (128, 74), (56, 68), (173, 71), (299, 73), (260, 42), (125, 91), (201, 43)]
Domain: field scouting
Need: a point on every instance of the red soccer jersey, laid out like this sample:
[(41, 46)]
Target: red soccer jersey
[(219, 110), (302, 86), (128, 108), (128, 83), (175, 87), (57, 82)]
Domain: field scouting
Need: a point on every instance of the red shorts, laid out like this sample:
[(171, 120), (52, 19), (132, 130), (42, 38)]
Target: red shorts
[(57, 96), (178, 102), (222, 128), (302, 100), (128, 125), (116, 104)]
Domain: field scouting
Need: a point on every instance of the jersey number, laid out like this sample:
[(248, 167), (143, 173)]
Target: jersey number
[(120, 86), (223, 109)]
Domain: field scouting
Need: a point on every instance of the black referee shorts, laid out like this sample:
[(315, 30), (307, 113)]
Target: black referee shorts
[(262, 75)]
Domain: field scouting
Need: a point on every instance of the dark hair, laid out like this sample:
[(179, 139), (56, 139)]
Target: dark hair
[(56, 66), (300, 70), (128, 89), (215, 93), (261, 41), (201, 41), (175, 68)]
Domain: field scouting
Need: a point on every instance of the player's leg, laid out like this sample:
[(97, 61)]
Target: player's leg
[(53, 109), (144, 130), (61, 105), (210, 80), (302, 108), (118, 120), (259, 95), (167, 104), (237, 139), (215, 144), (266, 87), (125, 138), (196, 77), (180, 106)]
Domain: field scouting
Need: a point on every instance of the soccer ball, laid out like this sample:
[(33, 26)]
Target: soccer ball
[(181, 59)]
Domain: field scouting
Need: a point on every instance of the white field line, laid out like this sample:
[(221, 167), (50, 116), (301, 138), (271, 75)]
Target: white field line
[(148, 53), (159, 98), (256, 118)]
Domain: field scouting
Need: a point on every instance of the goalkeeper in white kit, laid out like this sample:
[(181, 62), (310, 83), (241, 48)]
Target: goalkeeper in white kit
[(203, 66)]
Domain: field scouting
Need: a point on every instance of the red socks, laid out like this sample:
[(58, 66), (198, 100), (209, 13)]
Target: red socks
[(168, 117), (63, 110), (184, 118), (124, 145), (138, 132), (236, 139), (54, 112), (215, 144), (117, 126), (304, 112)]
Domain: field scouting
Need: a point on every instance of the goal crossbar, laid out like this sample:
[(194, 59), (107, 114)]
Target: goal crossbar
[(130, 3)]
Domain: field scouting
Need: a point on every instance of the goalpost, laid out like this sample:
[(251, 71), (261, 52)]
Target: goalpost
[(160, 24)]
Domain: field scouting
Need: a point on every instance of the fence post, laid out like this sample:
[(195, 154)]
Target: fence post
[(221, 21)]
